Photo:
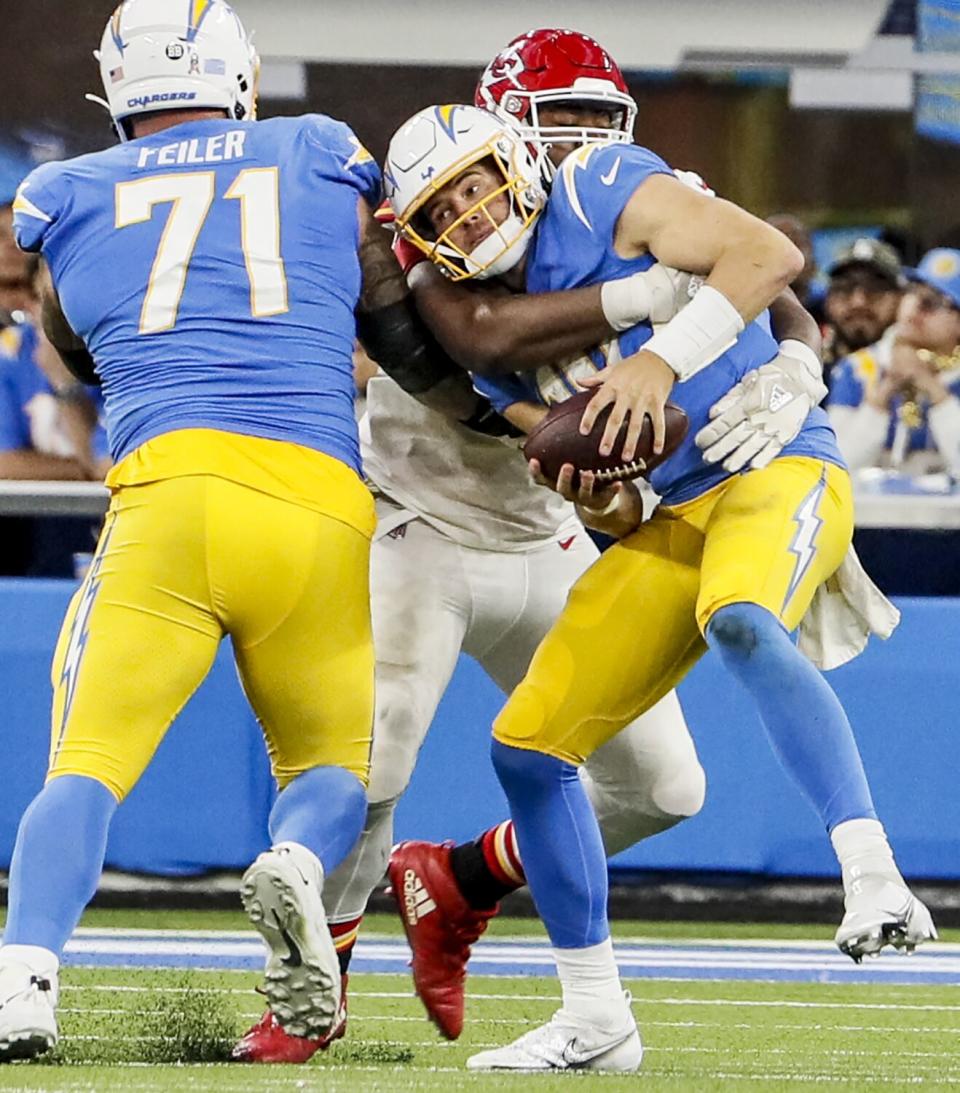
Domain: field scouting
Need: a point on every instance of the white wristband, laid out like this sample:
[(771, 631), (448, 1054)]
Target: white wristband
[(800, 351), (698, 333), (626, 301)]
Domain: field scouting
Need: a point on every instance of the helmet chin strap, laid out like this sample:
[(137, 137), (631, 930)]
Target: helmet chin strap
[(117, 126)]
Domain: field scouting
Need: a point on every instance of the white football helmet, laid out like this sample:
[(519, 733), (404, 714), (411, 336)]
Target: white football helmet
[(161, 55), (433, 149)]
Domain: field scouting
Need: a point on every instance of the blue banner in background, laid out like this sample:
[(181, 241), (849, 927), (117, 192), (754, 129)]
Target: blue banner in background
[(203, 803), (937, 110)]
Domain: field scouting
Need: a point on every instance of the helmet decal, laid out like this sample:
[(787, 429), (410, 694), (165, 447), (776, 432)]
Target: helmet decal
[(197, 13)]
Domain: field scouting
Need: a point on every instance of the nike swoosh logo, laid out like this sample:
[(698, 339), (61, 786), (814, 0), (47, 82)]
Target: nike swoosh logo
[(610, 176), (566, 544), (295, 959)]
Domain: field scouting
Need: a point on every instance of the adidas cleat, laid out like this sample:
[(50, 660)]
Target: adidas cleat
[(281, 895), (267, 1042), (567, 1042), (440, 926), (880, 912), (28, 1021)]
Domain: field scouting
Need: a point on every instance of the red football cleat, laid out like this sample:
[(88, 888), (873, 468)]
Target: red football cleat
[(440, 926), (267, 1042)]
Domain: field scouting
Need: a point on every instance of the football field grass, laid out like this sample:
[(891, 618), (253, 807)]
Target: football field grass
[(138, 1029)]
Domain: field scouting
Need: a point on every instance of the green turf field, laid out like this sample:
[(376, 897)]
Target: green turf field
[(140, 1030)]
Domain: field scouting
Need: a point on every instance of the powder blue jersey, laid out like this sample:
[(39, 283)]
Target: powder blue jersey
[(212, 271), (573, 246)]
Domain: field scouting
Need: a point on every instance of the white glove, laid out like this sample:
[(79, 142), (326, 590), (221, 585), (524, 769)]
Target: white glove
[(656, 294), (757, 419)]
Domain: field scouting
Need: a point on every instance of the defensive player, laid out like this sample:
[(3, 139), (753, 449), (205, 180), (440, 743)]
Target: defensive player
[(729, 561), (195, 279)]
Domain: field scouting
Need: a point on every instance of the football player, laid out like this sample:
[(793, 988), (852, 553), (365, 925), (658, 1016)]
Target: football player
[(193, 278), (563, 90), (729, 561)]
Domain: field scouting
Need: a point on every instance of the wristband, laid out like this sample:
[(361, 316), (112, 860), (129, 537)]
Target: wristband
[(697, 334)]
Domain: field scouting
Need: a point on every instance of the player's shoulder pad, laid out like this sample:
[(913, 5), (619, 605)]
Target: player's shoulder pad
[(339, 140), (598, 180), (337, 137), (38, 204)]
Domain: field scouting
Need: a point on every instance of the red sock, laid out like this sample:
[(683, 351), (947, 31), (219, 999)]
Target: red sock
[(502, 858)]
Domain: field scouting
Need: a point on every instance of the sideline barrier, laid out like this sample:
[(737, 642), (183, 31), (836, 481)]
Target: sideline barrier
[(203, 803)]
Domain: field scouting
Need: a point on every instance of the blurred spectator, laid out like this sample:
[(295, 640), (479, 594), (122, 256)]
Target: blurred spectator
[(897, 403), (866, 280), (16, 271), (809, 291), (49, 431), (48, 421)]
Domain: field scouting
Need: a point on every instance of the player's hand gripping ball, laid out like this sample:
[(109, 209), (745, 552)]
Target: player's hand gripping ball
[(558, 440)]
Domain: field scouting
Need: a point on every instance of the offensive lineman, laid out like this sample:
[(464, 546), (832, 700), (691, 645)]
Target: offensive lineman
[(194, 279)]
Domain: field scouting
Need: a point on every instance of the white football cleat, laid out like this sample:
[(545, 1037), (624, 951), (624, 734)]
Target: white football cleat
[(28, 1020), (567, 1042), (881, 910), (281, 895)]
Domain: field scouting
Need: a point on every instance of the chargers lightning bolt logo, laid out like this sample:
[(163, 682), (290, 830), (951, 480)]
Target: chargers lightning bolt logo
[(79, 632), (577, 161), (804, 539)]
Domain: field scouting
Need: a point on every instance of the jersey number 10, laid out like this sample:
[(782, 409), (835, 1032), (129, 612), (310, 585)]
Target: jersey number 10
[(190, 196)]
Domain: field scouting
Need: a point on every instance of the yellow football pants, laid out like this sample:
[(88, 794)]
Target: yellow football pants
[(633, 624), (183, 561)]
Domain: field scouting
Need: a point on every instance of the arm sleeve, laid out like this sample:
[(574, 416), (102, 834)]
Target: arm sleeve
[(37, 206)]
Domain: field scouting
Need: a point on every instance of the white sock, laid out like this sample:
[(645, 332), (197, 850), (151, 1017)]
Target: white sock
[(861, 847), (38, 959), (591, 984)]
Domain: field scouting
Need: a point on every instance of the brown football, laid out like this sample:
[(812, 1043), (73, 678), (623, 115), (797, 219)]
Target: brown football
[(558, 440)]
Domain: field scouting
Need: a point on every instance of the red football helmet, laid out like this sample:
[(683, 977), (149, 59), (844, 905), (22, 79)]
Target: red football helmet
[(552, 66)]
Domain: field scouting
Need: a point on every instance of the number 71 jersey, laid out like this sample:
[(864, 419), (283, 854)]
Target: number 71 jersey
[(212, 271)]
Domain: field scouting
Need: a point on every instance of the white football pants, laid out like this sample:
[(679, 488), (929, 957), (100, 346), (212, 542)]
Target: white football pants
[(431, 599)]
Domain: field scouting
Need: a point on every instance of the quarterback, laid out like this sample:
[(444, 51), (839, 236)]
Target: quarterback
[(729, 561)]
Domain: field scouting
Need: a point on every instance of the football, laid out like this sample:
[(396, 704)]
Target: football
[(558, 440)]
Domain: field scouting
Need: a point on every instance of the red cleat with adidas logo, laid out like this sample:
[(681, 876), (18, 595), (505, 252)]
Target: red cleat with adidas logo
[(440, 926), (267, 1042)]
